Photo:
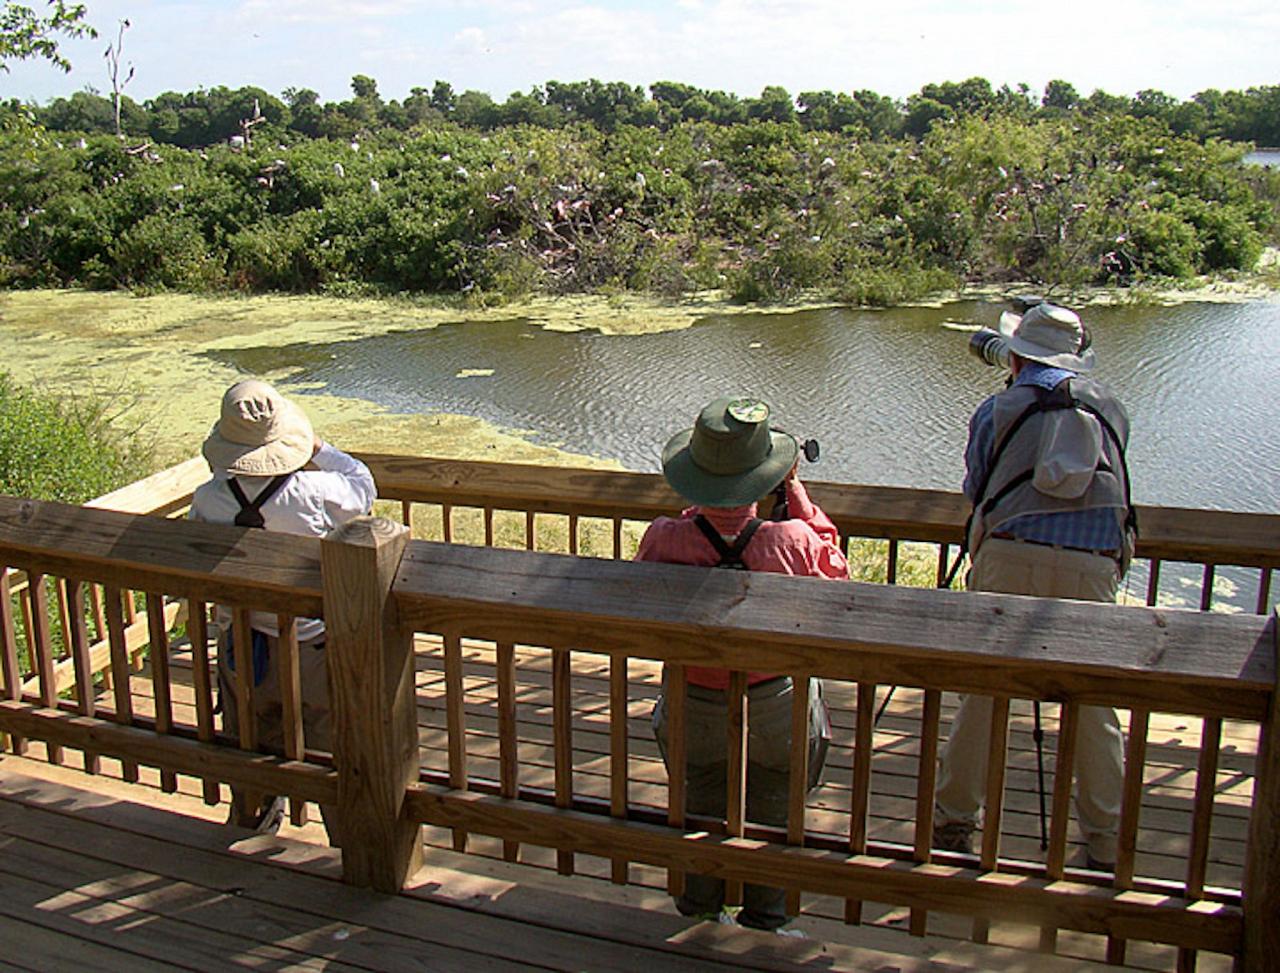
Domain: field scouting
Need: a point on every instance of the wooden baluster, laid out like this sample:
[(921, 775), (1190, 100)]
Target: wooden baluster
[(1201, 821), (1153, 582), (618, 762), (997, 762), (488, 527), (944, 553), (202, 686), (860, 798), (798, 779), (891, 568), (42, 651), (675, 689), (9, 656), (161, 684), (64, 615), (289, 676), (1264, 591), (736, 739), (573, 533), (530, 531), (562, 736), (1135, 760), (246, 721), (406, 514), (121, 668), (456, 720), (1206, 588), (78, 631), (446, 522), (617, 538), (130, 617), (1063, 772), (925, 781), (100, 632), (508, 745)]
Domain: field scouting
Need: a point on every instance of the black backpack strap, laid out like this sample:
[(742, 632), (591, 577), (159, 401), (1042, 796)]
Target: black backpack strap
[(730, 556), (250, 514)]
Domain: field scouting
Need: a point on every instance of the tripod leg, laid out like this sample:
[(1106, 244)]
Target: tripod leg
[(884, 705), (1038, 735)]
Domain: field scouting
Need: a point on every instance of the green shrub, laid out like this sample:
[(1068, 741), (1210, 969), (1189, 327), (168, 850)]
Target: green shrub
[(60, 448), (165, 251)]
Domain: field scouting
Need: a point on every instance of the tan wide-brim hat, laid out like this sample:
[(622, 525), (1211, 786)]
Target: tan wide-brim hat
[(1050, 335), (260, 433), (730, 457)]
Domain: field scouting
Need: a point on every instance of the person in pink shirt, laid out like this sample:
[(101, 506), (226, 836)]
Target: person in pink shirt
[(728, 461)]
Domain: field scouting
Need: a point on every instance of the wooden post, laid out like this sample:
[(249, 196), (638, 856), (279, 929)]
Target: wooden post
[(371, 689), (1262, 859)]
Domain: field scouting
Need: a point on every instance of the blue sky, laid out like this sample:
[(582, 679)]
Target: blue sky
[(500, 46)]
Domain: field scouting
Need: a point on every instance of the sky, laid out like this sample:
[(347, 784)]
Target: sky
[(499, 46)]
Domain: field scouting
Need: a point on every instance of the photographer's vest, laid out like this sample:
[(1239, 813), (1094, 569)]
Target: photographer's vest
[(1056, 451)]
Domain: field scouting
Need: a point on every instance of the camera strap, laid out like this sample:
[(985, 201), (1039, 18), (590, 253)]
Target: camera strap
[(250, 514), (730, 556)]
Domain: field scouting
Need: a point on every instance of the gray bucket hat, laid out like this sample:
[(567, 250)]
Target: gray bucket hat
[(730, 457), (1048, 334), (260, 433)]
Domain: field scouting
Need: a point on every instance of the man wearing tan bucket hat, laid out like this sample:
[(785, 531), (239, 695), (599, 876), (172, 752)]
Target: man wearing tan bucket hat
[(1052, 516), (271, 471), (729, 460)]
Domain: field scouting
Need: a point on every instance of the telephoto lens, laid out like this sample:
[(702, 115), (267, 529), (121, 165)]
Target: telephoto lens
[(989, 348)]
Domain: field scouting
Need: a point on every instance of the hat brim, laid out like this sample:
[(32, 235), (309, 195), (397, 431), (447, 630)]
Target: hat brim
[(1038, 353), (289, 451), (736, 490)]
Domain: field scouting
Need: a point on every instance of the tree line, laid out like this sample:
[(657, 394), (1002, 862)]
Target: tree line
[(206, 116)]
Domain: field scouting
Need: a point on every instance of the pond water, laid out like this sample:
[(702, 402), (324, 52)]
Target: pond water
[(887, 393), (1264, 157)]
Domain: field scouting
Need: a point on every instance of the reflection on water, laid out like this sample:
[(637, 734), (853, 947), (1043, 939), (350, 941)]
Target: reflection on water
[(888, 393)]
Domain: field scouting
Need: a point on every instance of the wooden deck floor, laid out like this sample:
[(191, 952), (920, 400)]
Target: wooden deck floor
[(94, 880), (624, 923)]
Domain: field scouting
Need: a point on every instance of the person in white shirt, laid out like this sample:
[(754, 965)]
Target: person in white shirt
[(271, 471)]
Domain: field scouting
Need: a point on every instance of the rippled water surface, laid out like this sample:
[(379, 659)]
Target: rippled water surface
[(888, 393)]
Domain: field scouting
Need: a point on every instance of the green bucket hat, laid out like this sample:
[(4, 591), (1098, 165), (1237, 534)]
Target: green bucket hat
[(730, 457)]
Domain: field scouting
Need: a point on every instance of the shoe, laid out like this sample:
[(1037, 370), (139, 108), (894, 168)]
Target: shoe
[(270, 817), (953, 836), (723, 917), (1097, 864)]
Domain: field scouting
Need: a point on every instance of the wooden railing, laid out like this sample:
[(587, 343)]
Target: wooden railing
[(1209, 539), (480, 610)]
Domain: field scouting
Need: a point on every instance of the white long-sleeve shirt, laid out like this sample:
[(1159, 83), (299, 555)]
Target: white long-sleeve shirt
[(313, 502)]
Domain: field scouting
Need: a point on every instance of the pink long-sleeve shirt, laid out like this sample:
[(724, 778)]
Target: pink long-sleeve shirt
[(806, 544)]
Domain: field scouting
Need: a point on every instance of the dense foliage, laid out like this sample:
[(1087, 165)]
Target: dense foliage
[(54, 448), (24, 33), (592, 186)]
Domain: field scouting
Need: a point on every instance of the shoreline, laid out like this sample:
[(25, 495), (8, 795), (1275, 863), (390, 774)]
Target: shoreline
[(149, 356)]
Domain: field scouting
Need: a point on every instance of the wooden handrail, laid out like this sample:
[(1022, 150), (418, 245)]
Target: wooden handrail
[(271, 571), (937, 516), (1174, 661)]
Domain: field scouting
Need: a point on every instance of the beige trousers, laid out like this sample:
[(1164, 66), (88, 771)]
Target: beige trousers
[(1029, 569)]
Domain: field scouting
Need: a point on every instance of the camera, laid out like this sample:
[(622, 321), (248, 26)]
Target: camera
[(989, 346)]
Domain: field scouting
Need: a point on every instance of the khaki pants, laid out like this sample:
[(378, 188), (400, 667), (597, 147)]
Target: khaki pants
[(268, 708), (1030, 569), (768, 778)]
